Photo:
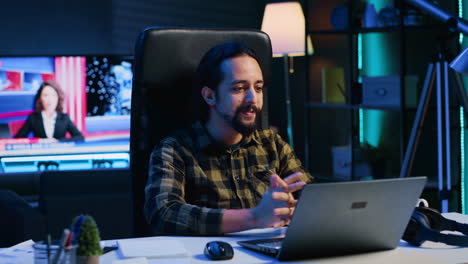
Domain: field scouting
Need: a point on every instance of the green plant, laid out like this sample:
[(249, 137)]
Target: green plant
[(88, 236)]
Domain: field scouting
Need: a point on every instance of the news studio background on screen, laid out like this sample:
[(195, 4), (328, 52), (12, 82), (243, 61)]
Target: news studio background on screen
[(97, 98)]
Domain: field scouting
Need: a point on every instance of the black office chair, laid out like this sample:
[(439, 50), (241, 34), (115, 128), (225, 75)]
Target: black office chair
[(165, 62)]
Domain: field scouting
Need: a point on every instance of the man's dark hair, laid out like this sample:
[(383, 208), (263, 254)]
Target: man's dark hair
[(209, 72)]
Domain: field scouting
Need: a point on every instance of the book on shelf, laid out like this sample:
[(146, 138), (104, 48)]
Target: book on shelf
[(333, 85)]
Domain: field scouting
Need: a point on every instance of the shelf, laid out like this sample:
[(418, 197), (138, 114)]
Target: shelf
[(349, 106)]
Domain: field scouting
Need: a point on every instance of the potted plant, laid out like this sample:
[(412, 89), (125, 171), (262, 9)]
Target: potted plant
[(89, 248)]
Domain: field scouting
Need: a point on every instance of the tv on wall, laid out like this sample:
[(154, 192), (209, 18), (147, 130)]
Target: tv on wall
[(97, 95)]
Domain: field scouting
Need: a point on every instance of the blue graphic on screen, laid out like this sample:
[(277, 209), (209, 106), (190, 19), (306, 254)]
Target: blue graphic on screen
[(3, 80), (109, 86), (28, 64), (32, 81), (123, 77)]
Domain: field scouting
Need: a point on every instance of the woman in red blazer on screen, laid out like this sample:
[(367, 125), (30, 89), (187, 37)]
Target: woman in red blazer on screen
[(48, 120)]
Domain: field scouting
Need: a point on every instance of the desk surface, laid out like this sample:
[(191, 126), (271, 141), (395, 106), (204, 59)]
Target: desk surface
[(428, 253)]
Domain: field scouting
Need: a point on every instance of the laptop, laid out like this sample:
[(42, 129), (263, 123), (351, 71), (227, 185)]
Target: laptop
[(341, 218)]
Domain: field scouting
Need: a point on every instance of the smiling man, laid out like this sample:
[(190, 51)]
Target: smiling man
[(223, 175)]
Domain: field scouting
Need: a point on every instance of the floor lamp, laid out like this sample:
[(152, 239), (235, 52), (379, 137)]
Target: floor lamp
[(284, 22)]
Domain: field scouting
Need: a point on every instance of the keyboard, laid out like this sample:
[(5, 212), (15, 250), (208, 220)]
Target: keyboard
[(272, 244)]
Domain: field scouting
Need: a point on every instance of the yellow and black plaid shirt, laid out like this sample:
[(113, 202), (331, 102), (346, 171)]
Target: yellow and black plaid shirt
[(192, 179)]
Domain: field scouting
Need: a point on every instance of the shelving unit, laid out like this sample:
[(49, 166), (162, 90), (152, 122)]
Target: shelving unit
[(399, 51)]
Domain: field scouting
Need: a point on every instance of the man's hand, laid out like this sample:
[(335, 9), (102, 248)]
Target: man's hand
[(277, 204)]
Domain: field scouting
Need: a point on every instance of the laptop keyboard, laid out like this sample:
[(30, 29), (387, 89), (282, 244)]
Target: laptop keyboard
[(270, 246), (273, 244)]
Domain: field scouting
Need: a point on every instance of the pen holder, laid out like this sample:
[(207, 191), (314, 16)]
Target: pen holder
[(44, 254)]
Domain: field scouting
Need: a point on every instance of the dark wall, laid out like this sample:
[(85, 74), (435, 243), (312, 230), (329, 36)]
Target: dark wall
[(51, 27), (130, 17)]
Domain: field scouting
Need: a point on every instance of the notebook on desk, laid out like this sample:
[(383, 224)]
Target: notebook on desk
[(342, 218)]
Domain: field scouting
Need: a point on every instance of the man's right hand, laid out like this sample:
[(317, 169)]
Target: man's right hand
[(275, 208), (277, 204)]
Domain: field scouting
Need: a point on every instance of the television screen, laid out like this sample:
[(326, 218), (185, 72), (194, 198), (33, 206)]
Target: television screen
[(97, 93)]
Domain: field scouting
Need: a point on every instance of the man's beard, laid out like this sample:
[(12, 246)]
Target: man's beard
[(236, 123)]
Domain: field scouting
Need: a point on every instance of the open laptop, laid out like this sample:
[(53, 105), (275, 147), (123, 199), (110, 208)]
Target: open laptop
[(342, 218)]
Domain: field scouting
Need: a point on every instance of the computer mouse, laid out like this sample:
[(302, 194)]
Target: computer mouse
[(218, 250)]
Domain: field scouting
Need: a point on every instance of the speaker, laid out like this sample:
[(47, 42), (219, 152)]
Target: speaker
[(425, 225)]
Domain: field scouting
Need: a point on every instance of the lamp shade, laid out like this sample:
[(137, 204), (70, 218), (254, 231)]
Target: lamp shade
[(460, 63), (285, 24)]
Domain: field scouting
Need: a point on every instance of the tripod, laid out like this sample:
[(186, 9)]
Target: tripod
[(438, 75)]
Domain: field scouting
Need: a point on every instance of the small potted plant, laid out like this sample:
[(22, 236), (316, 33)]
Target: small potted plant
[(89, 248)]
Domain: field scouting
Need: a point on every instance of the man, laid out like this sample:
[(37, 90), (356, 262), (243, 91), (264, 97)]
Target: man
[(223, 175)]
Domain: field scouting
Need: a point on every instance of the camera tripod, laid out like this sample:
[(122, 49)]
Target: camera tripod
[(438, 75)]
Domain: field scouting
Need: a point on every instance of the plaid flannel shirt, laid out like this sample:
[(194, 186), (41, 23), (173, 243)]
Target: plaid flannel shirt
[(192, 179)]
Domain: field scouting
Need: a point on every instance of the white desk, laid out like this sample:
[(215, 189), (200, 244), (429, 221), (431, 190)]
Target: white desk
[(428, 253)]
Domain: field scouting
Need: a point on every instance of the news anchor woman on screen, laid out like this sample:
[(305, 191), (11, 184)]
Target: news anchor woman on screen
[(48, 120)]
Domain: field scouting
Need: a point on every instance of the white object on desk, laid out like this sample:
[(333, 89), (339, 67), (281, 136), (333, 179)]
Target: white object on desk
[(131, 261), (22, 253), (152, 248)]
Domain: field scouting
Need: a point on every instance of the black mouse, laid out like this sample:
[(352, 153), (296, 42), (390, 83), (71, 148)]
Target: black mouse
[(218, 250)]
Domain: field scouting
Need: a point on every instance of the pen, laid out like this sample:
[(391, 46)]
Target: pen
[(77, 228), (68, 242), (63, 242), (48, 248)]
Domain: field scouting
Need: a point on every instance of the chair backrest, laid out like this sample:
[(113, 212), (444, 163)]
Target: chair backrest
[(165, 63)]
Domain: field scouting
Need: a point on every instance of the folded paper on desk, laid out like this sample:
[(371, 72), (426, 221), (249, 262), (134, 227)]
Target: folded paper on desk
[(19, 253), (152, 248)]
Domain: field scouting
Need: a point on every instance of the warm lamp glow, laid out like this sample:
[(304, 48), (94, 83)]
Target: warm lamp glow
[(285, 24)]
